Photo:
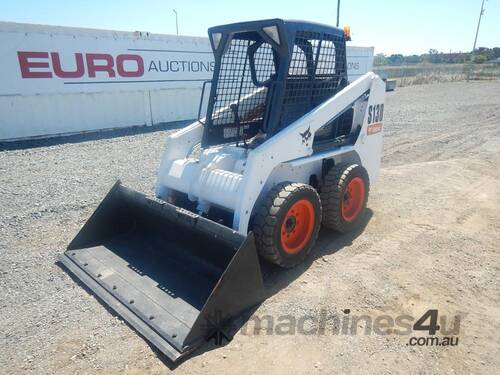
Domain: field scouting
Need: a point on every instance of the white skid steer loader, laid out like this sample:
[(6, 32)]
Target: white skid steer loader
[(287, 144)]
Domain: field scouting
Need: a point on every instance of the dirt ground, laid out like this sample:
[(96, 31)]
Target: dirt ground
[(431, 241)]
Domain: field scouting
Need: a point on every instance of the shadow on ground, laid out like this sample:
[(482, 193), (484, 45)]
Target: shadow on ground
[(90, 136), (275, 279), (329, 242)]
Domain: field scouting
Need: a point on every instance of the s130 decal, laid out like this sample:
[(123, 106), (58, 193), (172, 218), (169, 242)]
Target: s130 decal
[(375, 117), (375, 113)]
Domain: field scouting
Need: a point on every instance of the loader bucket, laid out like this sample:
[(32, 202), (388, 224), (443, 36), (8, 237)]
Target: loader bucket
[(174, 276)]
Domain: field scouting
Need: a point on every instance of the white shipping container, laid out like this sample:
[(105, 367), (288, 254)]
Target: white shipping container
[(63, 80)]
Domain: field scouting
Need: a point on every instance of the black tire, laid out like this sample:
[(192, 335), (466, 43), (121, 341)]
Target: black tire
[(333, 194), (269, 220)]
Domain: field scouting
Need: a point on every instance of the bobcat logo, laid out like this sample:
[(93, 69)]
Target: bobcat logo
[(306, 135)]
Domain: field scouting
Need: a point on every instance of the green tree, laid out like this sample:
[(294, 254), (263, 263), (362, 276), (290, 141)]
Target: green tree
[(413, 59), (488, 53), (480, 59), (434, 56), (379, 59), (395, 59)]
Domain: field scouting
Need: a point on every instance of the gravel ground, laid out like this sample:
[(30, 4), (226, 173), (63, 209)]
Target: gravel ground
[(431, 242)]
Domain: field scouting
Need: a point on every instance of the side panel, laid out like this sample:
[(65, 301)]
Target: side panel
[(291, 143), (369, 143)]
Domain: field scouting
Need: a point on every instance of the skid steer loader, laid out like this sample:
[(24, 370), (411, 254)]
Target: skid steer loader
[(287, 144)]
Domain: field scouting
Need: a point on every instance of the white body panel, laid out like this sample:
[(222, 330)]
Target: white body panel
[(167, 90), (234, 178)]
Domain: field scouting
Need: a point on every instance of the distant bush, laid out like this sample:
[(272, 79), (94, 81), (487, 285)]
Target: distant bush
[(480, 59), (434, 73), (481, 55)]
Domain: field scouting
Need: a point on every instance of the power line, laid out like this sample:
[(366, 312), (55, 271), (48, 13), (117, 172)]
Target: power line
[(475, 40)]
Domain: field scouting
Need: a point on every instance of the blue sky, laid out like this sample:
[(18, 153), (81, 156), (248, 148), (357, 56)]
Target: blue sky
[(403, 26)]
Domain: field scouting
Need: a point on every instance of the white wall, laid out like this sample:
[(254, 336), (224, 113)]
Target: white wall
[(49, 86)]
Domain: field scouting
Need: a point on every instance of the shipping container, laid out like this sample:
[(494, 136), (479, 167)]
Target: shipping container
[(65, 80)]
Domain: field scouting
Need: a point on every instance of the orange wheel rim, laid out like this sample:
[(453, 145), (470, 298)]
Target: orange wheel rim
[(297, 226), (354, 196)]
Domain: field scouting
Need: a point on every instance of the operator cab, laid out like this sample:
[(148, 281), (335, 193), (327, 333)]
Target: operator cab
[(270, 73)]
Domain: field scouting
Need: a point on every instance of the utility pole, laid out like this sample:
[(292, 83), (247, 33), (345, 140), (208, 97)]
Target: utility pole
[(338, 12), (475, 40), (177, 23)]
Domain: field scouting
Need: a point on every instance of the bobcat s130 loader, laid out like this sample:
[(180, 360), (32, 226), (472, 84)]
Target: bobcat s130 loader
[(287, 145)]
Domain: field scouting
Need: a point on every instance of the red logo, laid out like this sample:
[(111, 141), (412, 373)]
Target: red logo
[(374, 128), (45, 65)]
